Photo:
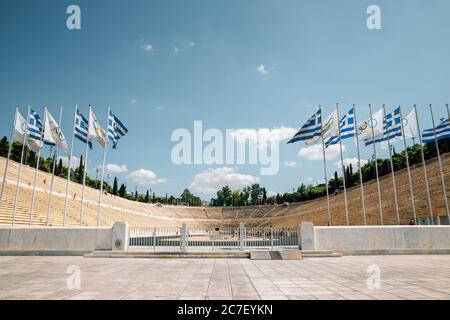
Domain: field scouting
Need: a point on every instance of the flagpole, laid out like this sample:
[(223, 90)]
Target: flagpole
[(84, 175), (33, 198), (392, 167), (440, 166), (376, 166), (359, 165), (103, 169), (70, 163), (9, 154), (53, 172), (325, 170), (342, 165), (424, 166), (408, 168), (25, 136)]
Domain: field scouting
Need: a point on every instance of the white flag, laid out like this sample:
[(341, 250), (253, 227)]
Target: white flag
[(52, 132), (95, 131), (330, 126), (20, 128), (372, 127), (410, 125)]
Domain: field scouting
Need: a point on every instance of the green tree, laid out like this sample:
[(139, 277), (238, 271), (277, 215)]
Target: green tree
[(115, 187), (4, 146), (255, 193), (122, 191)]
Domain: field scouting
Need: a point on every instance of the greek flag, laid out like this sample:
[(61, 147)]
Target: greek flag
[(35, 126), (81, 128), (116, 129), (392, 127), (442, 132), (311, 130), (347, 127), (35, 131)]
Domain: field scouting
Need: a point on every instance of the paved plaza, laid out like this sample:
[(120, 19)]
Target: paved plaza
[(402, 277)]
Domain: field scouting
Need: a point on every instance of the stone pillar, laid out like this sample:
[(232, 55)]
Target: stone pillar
[(183, 237), (242, 236), (120, 236), (306, 236)]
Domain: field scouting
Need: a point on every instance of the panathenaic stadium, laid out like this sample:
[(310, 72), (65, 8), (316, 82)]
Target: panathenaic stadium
[(116, 209)]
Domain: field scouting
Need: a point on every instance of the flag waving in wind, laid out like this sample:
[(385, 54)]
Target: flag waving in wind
[(35, 127), (20, 129), (311, 130), (81, 128), (95, 131), (53, 134), (330, 126), (347, 128), (442, 132), (116, 129)]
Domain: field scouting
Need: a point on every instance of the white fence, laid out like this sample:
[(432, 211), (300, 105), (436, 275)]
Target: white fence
[(192, 239)]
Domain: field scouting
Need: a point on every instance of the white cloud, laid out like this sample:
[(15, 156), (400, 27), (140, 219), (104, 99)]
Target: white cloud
[(160, 108), (176, 50), (292, 164), (352, 161), (147, 47), (73, 164), (315, 152), (191, 44), (263, 135), (115, 168), (210, 181), (144, 177), (262, 69), (133, 101), (271, 194)]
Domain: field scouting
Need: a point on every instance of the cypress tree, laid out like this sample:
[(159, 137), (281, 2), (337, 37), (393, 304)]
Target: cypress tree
[(115, 187)]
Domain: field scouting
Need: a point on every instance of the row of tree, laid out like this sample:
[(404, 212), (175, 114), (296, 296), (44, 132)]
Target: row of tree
[(77, 173), (256, 195)]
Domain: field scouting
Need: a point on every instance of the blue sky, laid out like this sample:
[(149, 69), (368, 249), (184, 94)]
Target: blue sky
[(160, 65)]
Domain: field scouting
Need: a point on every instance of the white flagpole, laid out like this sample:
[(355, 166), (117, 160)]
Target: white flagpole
[(392, 168), (33, 198), (70, 163), (8, 155), (25, 137), (376, 165), (424, 166), (440, 166), (330, 222), (49, 208), (409, 169), (103, 169), (359, 166), (342, 165), (84, 173)]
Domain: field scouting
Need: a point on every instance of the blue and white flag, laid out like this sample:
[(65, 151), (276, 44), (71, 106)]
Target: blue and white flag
[(311, 130), (392, 127), (442, 132), (347, 127), (116, 129), (35, 126), (35, 131), (81, 128)]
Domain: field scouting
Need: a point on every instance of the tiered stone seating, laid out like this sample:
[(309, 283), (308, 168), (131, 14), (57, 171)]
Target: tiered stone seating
[(143, 214)]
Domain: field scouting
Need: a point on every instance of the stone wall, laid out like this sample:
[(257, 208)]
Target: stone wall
[(54, 241)]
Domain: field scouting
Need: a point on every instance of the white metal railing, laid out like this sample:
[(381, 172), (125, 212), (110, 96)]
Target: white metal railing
[(194, 239)]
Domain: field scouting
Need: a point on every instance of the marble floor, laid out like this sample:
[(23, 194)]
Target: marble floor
[(362, 277)]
